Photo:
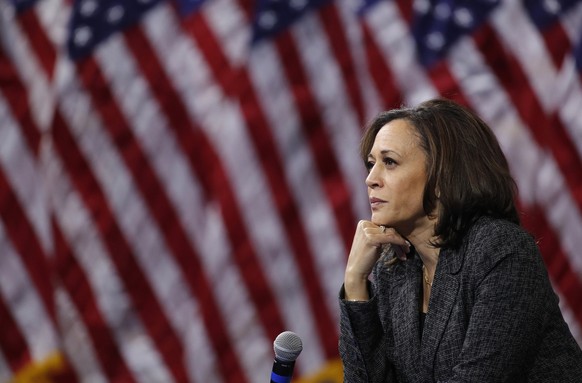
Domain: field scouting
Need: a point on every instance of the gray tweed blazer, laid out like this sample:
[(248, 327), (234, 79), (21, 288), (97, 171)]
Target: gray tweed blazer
[(492, 317)]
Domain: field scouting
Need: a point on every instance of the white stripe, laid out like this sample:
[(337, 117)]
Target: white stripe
[(229, 23), (24, 302), (76, 340), (111, 297), (299, 169), (535, 171), (569, 80), (557, 89), (392, 36), (355, 36), (570, 319), (343, 130), (150, 128), (54, 17), (180, 57), (29, 68), (512, 23), (339, 116), (5, 370), (23, 174), (222, 123), (572, 23)]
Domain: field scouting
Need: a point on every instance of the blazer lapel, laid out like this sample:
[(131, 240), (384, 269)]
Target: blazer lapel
[(442, 299), (405, 301)]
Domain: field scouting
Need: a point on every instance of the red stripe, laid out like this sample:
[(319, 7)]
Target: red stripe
[(557, 43), (381, 73), (16, 97), (446, 84), (12, 341), (39, 40), (207, 166), (546, 129), (144, 300), (313, 128), (271, 163), (561, 271), (160, 208), (406, 10), (75, 282), (335, 187), (338, 40), (26, 243)]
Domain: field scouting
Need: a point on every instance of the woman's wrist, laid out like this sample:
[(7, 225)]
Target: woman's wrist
[(356, 288)]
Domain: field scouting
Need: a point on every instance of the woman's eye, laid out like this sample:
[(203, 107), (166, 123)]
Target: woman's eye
[(369, 165), (389, 161)]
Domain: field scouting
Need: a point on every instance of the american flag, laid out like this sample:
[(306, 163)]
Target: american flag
[(180, 182)]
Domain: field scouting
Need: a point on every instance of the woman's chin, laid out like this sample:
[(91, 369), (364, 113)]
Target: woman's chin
[(378, 219)]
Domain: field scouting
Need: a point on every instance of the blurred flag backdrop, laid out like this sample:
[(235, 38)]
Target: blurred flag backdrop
[(180, 182)]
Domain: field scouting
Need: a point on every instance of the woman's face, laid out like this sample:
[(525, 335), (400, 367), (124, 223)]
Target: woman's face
[(397, 177)]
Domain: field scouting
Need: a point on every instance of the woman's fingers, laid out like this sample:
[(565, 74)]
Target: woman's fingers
[(382, 235)]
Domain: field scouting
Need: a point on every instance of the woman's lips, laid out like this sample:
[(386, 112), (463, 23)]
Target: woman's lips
[(376, 202)]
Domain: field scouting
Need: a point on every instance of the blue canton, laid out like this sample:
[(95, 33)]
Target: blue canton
[(545, 12), (273, 16), (438, 24), (93, 21)]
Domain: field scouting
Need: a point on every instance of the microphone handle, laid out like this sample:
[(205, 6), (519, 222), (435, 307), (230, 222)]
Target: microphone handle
[(282, 371)]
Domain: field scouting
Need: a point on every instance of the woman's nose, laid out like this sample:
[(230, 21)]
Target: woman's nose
[(373, 180)]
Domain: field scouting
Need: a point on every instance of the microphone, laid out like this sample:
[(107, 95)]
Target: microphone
[(287, 348)]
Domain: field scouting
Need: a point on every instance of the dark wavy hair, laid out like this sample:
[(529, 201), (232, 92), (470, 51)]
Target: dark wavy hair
[(466, 170)]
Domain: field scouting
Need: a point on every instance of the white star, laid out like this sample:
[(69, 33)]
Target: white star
[(421, 6), (267, 19), (88, 7), (82, 35), (552, 6), (115, 13), (435, 40), (463, 17), (442, 11), (298, 4)]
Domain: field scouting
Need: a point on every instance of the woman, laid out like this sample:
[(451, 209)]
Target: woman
[(442, 284)]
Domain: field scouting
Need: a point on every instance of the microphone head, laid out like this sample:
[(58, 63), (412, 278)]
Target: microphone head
[(287, 346)]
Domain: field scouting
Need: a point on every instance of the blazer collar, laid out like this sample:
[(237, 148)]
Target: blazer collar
[(443, 296), (405, 298)]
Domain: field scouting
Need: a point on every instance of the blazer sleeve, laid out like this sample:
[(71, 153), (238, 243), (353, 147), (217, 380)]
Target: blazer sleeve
[(362, 345), (512, 301)]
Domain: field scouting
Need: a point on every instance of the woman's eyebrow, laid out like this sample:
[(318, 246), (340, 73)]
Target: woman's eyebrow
[(387, 151)]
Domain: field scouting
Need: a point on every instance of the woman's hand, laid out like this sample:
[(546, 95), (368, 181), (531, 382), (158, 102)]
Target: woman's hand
[(366, 249)]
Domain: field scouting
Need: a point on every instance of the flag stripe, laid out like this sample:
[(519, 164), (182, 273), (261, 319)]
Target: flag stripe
[(200, 152), (14, 92), (153, 316), (334, 184), (41, 44), (79, 290), (12, 341), (521, 150), (548, 130), (76, 341), (335, 30), (114, 303), (24, 240), (272, 167), (181, 180), (160, 208), (381, 72), (557, 43), (559, 268)]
